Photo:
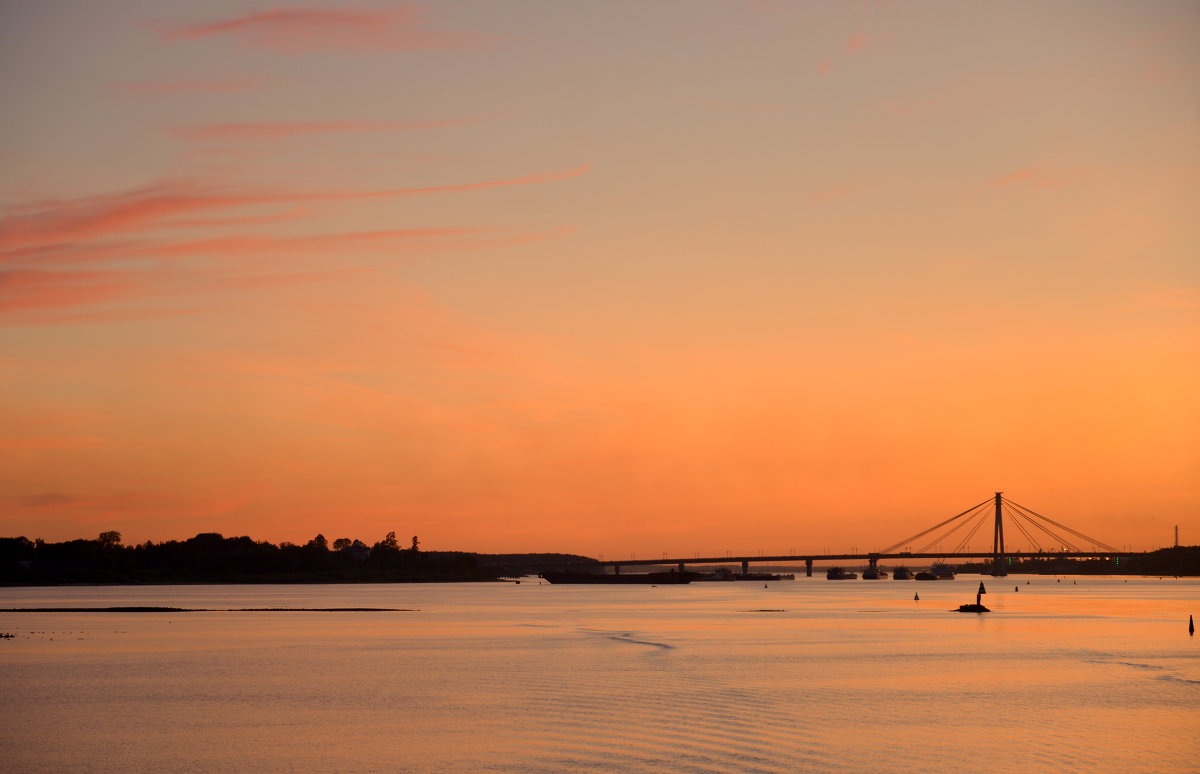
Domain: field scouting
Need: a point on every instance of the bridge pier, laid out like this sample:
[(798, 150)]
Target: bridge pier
[(745, 566), (808, 567)]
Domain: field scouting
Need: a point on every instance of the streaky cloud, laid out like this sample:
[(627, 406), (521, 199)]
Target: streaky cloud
[(241, 220), (71, 295), (156, 206), (276, 130), (1042, 177), (26, 289), (856, 42), (161, 88), (258, 244), (298, 29)]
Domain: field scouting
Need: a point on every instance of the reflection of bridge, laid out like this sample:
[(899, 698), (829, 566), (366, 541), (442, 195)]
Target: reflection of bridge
[(1032, 525)]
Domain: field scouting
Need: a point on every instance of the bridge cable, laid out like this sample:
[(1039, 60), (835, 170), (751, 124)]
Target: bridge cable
[(1074, 532), (947, 534), (891, 548), (979, 522), (1013, 519), (1095, 543), (1062, 542)]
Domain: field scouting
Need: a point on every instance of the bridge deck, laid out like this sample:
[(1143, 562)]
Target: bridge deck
[(784, 558)]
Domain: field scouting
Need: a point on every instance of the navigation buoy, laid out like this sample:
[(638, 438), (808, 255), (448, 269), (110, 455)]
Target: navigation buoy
[(978, 606), (1016, 588), (916, 597), (1191, 627)]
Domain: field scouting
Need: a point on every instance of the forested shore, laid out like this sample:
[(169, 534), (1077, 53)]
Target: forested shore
[(214, 558), (1177, 560)]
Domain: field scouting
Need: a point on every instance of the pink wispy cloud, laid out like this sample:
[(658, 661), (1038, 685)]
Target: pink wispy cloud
[(1042, 177), (276, 130), (241, 220), (35, 291), (1020, 176), (157, 206), (301, 29), (72, 296), (99, 216), (69, 295), (259, 244), (56, 251), (857, 42), (160, 88)]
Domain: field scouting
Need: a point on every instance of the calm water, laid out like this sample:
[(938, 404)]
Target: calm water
[(802, 676)]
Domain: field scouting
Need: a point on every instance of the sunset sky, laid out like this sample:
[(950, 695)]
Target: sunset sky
[(616, 278)]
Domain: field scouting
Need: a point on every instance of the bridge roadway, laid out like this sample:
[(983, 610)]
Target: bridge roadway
[(872, 559)]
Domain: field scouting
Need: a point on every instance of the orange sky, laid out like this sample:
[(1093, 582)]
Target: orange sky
[(601, 278)]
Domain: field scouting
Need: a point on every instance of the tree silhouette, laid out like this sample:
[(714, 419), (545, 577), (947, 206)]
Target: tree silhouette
[(109, 539)]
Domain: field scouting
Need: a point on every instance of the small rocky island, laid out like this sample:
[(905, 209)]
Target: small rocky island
[(978, 606)]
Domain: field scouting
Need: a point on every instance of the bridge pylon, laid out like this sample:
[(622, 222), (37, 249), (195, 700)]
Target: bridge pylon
[(999, 559)]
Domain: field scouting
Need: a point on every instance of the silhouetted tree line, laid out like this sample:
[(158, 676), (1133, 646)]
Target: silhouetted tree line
[(212, 558), (1180, 560)]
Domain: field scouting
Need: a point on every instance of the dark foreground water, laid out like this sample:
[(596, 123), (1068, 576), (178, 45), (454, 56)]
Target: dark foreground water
[(803, 676)]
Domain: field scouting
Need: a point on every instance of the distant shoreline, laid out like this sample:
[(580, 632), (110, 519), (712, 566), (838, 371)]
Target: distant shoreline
[(137, 609)]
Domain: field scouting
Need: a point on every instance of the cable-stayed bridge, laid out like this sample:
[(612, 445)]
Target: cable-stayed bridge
[(1049, 539)]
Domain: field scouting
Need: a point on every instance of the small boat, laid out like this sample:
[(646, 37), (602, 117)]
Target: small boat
[(839, 573), (902, 573), (757, 576), (942, 571), (655, 578), (874, 573), (925, 575), (720, 574)]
